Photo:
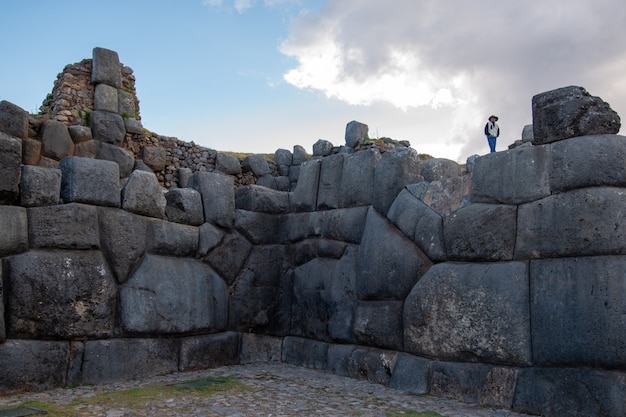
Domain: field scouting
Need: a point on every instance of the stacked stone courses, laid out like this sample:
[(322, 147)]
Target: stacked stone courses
[(501, 283)]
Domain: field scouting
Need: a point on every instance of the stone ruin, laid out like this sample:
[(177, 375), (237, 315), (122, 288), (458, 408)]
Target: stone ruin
[(501, 284)]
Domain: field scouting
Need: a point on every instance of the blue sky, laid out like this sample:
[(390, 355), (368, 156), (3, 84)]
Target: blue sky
[(259, 75)]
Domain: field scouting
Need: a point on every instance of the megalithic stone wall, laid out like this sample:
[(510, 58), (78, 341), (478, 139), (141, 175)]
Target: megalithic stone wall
[(502, 284)]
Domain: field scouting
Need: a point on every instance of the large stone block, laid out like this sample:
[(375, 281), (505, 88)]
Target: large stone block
[(355, 131), (218, 196), (209, 237), (257, 164), (587, 221), (67, 226), (13, 120), (300, 226), (304, 197), (32, 365), (79, 134), (227, 164), (379, 324), (395, 169), (40, 186), (106, 68), (515, 176), (374, 365), (259, 228), (568, 112), (261, 199), (578, 311), (330, 178), (229, 256), (105, 98), (123, 237), (126, 104), (106, 361), (56, 142), (554, 392), (436, 169), (345, 225), (90, 181), (154, 157), (305, 352), (481, 232), (87, 149), (283, 157), (184, 205), (121, 156), (172, 239), (411, 374), (387, 274), (470, 312), (3, 332), (209, 351), (256, 348), (588, 161), (357, 180), (107, 127), (31, 151), (10, 168), (143, 195), (156, 300), (459, 381), (14, 227), (60, 294)]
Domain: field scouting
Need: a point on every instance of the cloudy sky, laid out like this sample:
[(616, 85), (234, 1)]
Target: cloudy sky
[(259, 75)]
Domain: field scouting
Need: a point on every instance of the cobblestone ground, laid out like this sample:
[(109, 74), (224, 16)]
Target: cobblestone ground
[(267, 390)]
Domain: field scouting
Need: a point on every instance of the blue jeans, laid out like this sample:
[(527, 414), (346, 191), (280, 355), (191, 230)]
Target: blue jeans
[(492, 143)]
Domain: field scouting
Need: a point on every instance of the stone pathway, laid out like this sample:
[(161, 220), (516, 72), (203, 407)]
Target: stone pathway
[(271, 390)]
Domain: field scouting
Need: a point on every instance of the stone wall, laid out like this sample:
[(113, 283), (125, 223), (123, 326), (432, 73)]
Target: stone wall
[(501, 284)]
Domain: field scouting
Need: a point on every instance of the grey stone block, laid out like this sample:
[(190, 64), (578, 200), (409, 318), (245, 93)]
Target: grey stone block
[(435, 169), (227, 164), (123, 238), (10, 168), (578, 312), (338, 361), (299, 226), (88, 149), (184, 205), (411, 374), (126, 104), (32, 365), (357, 180), (256, 348), (218, 197), (67, 226), (498, 390), (322, 148), (395, 169), (40, 186), (14, 226), (13, 120), (299, 155), (268, 181), (355, 131), (346, 225), (568, 112), (133, 126), (261, 199), (391, 273), (199, 302), (305, 352), (56, 140), (283, 157), (209, 351), (588, 161), (209, 237), (257, 164), (105, 98), (282, 183), (31, 151), (470, 312), (154, 157), (583, 222), (79, 134), (379, 324), (515, 176), (121, 156), (229, 257), (143, 195), (259, 228), (374, 365), (90, 181), (3, 332), (330, 178), (304, 197), (172, 239), (459, 381), (106, 67), (481, 232), (112, 360), (107, 127), (61, 294)]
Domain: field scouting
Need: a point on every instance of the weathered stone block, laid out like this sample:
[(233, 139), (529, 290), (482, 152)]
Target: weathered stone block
[(355, 131), (105, 98), (61, 294), (154, 157), (10, 168), (209, 351), (391, 273), (588, 161), (305, 352), (91, 181), (330, 178), (40, 186), (227, 164), (357, 180), (67, 226), (374, 365), (56, 140), (79, 134), (411, 374), (587, 221), (32, 365), (338, 361), (259, 228), (126, 104), (107, 127), (209, 237), (460, 381), (257, 164), (283, 157), (470, 312), (106, 361), (31, 151), (123, 237), (300, 226), (199, 302), (143, 195), (14, 226), (172, 239), (379, 324), (13, 120), (515, 176), (322, 148), (346, 225), (87, 149), (121, 156), (299, 155), (218, 196), (106, 68), (578, 312), (395, 169), (481, 232), (228, 258), (304, 197), (436, 169), (133, 126), (569, 112), (184, 205), (261, 199), (498, 389), (256, 348)]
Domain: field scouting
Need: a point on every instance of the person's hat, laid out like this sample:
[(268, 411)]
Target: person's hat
[(495, 117)]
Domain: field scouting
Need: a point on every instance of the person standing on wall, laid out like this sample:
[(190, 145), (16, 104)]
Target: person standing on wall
[(492, 131)]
